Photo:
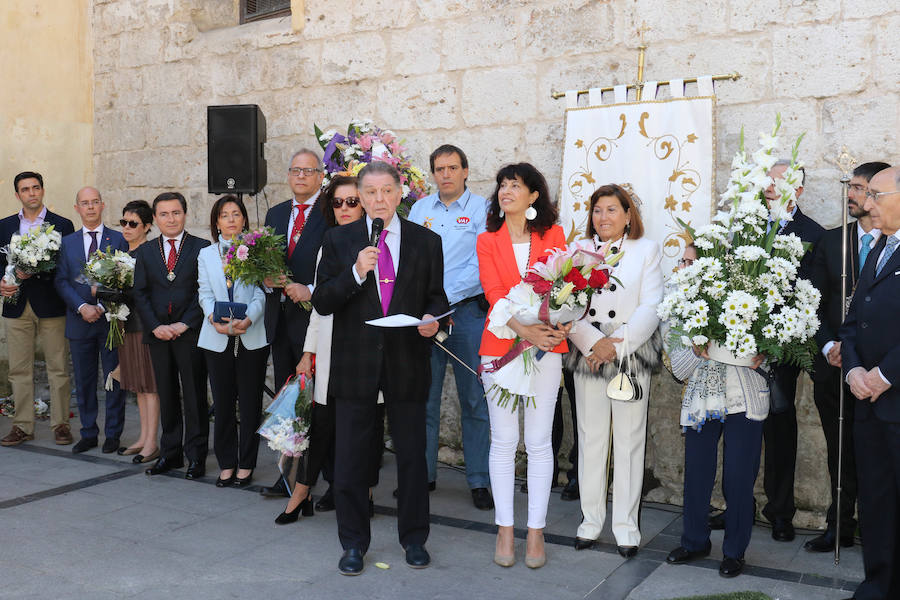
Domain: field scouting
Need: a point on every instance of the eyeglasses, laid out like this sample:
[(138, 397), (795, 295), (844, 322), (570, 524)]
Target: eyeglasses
[(127, 223), (352, 202), (304, 171), (858, 187), (685, 262), (876, 196), (86, 203)]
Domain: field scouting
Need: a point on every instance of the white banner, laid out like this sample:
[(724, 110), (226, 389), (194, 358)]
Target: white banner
[(663, 148)]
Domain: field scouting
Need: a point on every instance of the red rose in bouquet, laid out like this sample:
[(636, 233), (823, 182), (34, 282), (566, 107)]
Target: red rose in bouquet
[(575, 276), (598, 278)]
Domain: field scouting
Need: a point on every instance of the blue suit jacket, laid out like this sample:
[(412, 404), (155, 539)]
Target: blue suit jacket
[(38, 290), (871, 333), (70, 265)]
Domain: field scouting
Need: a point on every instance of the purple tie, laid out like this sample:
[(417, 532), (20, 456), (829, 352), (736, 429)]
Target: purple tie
[(93, 247), (385, 273)]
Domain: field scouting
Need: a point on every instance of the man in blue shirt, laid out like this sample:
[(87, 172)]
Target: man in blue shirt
[(458, 216)]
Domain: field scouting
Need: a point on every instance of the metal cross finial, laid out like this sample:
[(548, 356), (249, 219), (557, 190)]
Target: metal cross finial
[(641, 31), (844, 162)]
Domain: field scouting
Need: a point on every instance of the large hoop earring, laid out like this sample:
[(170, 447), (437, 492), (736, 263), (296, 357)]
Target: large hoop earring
[(531, 213)]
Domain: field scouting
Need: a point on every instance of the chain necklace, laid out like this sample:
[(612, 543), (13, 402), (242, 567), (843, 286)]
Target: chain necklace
[(162, 253)]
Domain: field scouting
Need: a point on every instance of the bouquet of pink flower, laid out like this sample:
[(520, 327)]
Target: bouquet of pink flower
[(257, 255)]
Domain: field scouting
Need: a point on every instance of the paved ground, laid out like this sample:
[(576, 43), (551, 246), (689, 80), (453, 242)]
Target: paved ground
[(93, 526)]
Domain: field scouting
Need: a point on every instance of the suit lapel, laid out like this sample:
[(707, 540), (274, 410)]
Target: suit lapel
[(507, 254), (186, 249), (890, 266)]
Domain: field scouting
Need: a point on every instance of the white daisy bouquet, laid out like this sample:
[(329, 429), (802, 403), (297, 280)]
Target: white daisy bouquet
[(32, 253), (113, 273), (742, 296)]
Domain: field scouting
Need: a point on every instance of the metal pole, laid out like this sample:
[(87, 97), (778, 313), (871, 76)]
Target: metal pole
[(845, 180), (440, 337)]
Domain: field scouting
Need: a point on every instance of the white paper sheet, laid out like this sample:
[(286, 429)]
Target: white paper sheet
[(402, 320)]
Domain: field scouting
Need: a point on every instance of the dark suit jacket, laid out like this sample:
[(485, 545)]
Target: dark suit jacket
[(871, 333), (69, 266), (808, 231), (38, 290), (364, 358), (302, 264), (163, 302)]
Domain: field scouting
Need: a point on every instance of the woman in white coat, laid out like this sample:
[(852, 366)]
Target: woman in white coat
[(621, 319), (236, 351)]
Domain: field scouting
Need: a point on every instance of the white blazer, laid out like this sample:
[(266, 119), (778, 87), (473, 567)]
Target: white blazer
[(211, 278), (632, 303)]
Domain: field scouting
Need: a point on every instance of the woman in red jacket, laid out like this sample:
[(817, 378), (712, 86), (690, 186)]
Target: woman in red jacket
[(520, 230)]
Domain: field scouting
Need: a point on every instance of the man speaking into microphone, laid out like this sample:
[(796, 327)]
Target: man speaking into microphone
[(364, 276)]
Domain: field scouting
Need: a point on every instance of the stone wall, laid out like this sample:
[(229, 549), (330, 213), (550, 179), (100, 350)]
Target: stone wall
[(479, 73)]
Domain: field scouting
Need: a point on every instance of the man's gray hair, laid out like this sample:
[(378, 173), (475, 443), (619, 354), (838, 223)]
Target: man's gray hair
[(312, 153), (379, 167), (786, 162)]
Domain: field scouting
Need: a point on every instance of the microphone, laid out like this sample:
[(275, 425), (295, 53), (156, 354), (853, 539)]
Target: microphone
[(377, 228)]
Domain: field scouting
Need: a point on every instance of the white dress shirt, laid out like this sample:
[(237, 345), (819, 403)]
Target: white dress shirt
[(86, 239), (392, 241)]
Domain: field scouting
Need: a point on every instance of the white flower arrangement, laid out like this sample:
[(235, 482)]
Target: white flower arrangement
[(743, 292), (31, 253)]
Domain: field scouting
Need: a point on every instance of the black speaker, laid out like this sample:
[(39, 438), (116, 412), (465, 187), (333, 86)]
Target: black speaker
[(236, 135)]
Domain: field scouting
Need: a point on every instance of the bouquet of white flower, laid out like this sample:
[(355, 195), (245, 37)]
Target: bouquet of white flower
[(113, 273), (32, 253), (742, 296)]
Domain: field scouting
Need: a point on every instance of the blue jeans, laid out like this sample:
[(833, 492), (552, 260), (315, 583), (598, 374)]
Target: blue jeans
[(468, 325)]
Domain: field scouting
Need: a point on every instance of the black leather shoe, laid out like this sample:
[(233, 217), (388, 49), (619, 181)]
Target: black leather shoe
[(682, 555), (482, 499), (195, 470), (351, 562), (240, 482), (782, 531), (85, 444), (276, 490), (417, 556), (825, 542), (731, 567), (584, 544), (305, 508), (220, 483), (110, 445), (571, 491), (326, 502), (432, 485), (717, 522), (627, 551), (163, 465)]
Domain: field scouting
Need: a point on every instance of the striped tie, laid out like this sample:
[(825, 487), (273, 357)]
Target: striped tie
[(886, 255)]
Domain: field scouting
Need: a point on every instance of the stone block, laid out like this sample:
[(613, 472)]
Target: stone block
[(481, 42), (325, 19), (175, 125), (140, 48), (106, 52), (169, 168), (353, 58), (416, 51), (568, 31), (380, 15), (821, 60), (285, 113), (667, 22), (294, 65), (543, 143), (109, 171), (887, 56), (866, 125), (760, 15), (421, 101), (864, 9), (581, 73), (165, 83), (440, 10), (484, 104), (116, 17), (119, 130), (487, 148), (334, 106)]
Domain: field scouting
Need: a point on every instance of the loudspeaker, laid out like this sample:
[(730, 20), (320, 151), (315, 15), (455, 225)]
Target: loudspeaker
[(236, 135)]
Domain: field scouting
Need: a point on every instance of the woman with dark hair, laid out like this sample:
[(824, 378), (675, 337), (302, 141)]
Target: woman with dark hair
[(340, 206), (621, 321), (520, 230), (235, 348), (135, 369)]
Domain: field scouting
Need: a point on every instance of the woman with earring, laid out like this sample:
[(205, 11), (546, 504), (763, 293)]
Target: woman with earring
[(520, 230), (340, 205), (621, 321), (135, 370), (236, 350)]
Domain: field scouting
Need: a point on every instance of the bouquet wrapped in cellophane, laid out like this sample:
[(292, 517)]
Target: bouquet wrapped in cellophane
[(112, 272), (257, 255), (287, 426), (31, 253)]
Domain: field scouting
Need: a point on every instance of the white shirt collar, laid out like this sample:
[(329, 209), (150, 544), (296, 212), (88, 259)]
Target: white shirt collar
[(393, 226), (99, 230), (309, 201), (177, 239), (41, 215), (875, 233)]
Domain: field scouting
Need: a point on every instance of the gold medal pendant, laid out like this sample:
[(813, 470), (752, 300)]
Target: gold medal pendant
[(171, 276)]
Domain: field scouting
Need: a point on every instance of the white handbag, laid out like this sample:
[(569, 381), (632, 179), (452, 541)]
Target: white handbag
[(624, 387)]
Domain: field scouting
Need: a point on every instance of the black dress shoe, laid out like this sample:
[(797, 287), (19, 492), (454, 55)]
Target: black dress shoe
[(571, 491), (220, 483), (240, 482), (305, 508), (85, 444), (326, 502), (432, 485), (825, 542), (276, 490), (783, 530), (351, 562), (417, 556), (717, 522), (682, 555), (110, 445), (583, 544), (627, 551), (196, 469), (163, 465), (482, 499), (731, 567)]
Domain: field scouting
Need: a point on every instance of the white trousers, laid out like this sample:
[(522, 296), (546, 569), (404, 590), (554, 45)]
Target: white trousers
[(629, 435), (538, 445)]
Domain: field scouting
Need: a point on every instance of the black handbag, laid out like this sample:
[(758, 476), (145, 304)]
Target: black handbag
[(236, 311)]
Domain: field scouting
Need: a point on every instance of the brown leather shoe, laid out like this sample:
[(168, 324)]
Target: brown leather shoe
[(62, 435), (16, 436)]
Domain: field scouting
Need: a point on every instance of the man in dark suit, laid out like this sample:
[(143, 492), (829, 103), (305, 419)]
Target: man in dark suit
[(86, 326), (780, 428), (826, 276), (870, 351), (357, 283), (165, 284), (301, 223), (39, 313)]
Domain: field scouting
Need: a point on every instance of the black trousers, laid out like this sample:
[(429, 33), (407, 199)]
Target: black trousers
[(286, 349), (780, 436), (237, 382), (558, 428), (827, 385), (319, 457), (180, 373), (355, 425)]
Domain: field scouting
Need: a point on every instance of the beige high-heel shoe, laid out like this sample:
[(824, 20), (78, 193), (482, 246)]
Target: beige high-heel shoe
[(535, 562), (505, 560)]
